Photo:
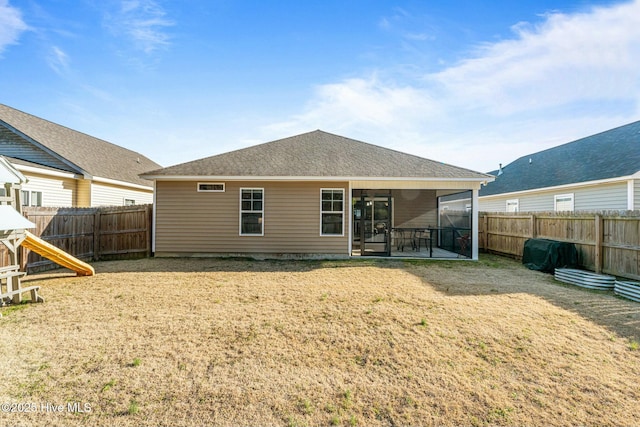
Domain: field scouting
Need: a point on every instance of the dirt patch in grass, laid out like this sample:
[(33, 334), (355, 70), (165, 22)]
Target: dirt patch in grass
[(238, 342)]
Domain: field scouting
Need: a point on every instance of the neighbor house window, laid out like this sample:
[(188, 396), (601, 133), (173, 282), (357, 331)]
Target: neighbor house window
[(129, 202), (513, 205), (36, 198), (332, 212), (211, 187), (252, 211), (31, 198), (563, 202)]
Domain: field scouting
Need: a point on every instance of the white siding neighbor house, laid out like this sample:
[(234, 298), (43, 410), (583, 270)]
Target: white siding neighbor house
[(599, 172), (310, 195), (66, 168)]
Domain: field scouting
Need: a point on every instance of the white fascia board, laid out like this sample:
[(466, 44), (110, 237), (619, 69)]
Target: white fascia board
[(122, 183), (564, 187), (305, 178), (48, 172)]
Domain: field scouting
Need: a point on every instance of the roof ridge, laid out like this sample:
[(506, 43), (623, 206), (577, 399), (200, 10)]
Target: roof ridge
[(574, 141), (398, 151), (610, 154), (33, 116), (316, 153), (81, 151)]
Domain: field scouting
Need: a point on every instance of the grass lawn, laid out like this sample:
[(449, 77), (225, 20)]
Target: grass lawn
[(305, 343)]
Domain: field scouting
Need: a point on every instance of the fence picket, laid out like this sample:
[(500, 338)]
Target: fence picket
[(90, 234), (607, 242)]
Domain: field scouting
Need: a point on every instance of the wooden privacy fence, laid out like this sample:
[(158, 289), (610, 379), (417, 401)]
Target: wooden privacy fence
[(91, 234), (607, 242)]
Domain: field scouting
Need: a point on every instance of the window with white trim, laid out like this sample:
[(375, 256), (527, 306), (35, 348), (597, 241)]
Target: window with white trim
[(31, 198), (211, 187), (129, 202), (252, 211), (513, 205), (563, 202), (332, 212)]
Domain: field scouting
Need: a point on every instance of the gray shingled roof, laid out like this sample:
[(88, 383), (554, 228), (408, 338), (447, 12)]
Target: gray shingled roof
[(90, 155), (317, 154), (610, 154)]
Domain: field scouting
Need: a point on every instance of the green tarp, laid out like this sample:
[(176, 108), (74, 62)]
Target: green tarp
[(546, 255)]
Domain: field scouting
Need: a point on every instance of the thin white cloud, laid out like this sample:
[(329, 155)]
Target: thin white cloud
[(418, 36), (567, 58), (58, 60), (144, 22), (546, 78), (11, 25), (362, 102)]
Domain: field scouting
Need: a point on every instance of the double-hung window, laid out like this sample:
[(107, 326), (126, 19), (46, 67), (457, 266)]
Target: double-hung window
[(513, 205), (252, 211), (33, 198), (332, 212), (563, 202)]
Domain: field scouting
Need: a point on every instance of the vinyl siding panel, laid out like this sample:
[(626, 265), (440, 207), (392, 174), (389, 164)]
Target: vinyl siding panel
[(612, 196), (636, 194), (415, 208), (114, 195), (386, 184), (588, 198), (456, 205), (56, 192), (494, 205), (536, 202), (526, 203), (83, 193), (191, 222)]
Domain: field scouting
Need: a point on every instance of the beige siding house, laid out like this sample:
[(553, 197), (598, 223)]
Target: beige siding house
[(600, 172), (310, 195), (66, 168)]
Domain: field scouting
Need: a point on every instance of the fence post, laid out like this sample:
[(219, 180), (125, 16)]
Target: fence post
[(96, 235), (485, 234), (21, 251), (599, 235), (534, 226), (149, 220)]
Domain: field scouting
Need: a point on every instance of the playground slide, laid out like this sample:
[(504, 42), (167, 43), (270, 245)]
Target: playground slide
[(56, 255)]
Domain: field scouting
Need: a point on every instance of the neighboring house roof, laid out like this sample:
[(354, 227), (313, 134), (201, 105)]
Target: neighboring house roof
[(611, 154), (317, 154), (20, 162), (74, 151)]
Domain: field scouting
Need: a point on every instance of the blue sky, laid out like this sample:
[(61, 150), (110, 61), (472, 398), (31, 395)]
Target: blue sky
[(465, 82)]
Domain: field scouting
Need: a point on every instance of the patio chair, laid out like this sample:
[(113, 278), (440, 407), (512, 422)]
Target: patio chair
[(404, 238), (423, 236), (463, 241)]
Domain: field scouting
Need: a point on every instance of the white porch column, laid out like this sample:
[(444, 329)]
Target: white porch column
[(349, 208), (474, 224)]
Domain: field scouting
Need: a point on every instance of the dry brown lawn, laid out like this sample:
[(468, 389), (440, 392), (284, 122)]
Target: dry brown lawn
[(311, 343)]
